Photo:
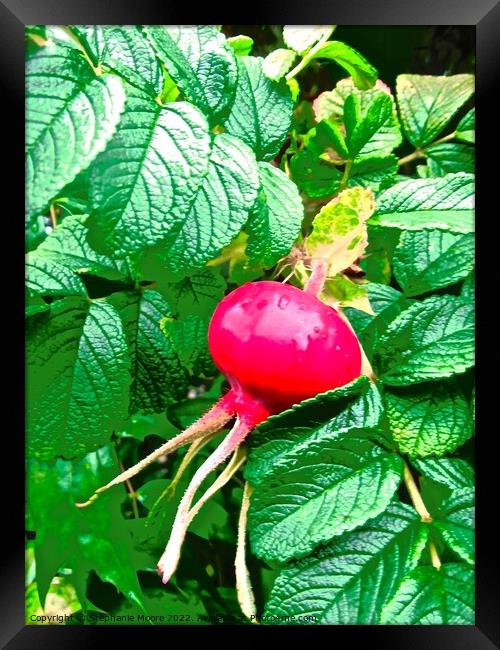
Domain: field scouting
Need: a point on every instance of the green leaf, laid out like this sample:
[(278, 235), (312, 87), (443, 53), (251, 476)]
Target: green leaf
[(200, 62), (73, 199), (468, 287), (126, 51), (294, 86), (352, 114), (60, 35), (241, 44), (377, 263), (328, 134), (281, 440), (148, 177), (70, 116), (445, 203), (150, 532), (377, 132), (383, 297), (349, 581), (433, 494), (35, 305), (447, 158), (465, 129), (432, 339), (141, 426), (210, 520), (46, 277), (53, 267), (423, 171), (341, 290), (150, 492), (430, 259), (275, 221), (370, 138), (330, 455), (158, 377), (363, 74), (78, 377), (315, 177), (197, 293), (429, 419), (330, 103), (277, 63), (220, 210), (455, 473), (455, 522), (387, 303), (431, 597), (169, 92), (301, 37), (241, 272), (262, 111), (189, 339), (375, 172), (34, 232), (427, 103), (37, 31), (82, 540), (342, 484)]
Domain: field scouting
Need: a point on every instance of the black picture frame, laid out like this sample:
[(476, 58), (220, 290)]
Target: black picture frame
[(485, 16)]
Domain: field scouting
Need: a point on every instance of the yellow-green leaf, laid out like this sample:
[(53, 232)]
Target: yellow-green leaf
[(339, 233), (342, 291)]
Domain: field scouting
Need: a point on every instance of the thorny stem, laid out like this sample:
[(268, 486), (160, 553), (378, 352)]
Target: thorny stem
[(300, 66), (244, 590), (212, 421), (170, 558), (422, 153), (412, 156), (39, 40), (414, 493), (318, 276), (132, 493), (53, 216), (445, 138), (436, 562), (419, 506), (61, 206), (345, 176)]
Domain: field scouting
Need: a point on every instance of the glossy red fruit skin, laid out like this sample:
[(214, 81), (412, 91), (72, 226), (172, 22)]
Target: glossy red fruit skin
[(280, 345)]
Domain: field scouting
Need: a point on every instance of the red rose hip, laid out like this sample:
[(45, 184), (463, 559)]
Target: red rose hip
[(280, 345)]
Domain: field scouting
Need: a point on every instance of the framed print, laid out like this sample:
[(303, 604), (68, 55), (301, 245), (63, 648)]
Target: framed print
[(250, 271)]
